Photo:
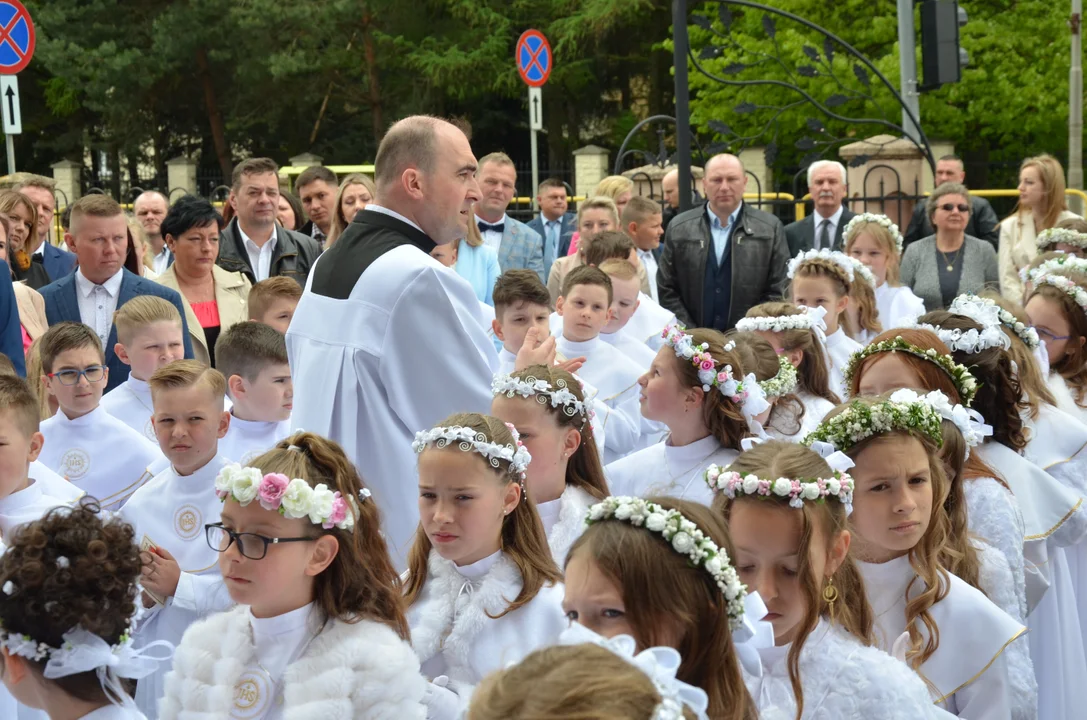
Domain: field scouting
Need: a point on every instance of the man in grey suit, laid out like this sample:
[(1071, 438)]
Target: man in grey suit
[(984, 223), (822, 230), (517, 245), (553, 222)]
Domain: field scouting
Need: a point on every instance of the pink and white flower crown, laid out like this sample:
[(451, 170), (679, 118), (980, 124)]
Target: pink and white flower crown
[(290, 498), (698, 355), (732, 484)]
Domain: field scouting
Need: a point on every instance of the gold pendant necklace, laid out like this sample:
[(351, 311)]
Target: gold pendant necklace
[(951, 262)]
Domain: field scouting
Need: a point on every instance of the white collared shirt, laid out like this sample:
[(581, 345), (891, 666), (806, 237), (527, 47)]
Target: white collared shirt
[(260, 257), (492, 238), (98, 302), (650, 263), (394, 214), (161, 261), (720, 231), (832, 230)]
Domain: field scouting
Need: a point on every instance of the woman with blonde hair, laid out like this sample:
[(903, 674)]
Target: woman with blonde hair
[(618, 189), (477, 263), (1041, 206), (356, 192), (18, 208)]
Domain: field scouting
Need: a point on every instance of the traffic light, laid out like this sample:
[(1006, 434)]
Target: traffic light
[(942, 60)]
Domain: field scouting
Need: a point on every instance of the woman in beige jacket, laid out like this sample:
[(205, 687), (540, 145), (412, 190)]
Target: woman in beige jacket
[(215, 299), (1042, 205)]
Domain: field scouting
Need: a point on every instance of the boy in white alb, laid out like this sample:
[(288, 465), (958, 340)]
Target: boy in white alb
[(585, 307), (84, 444), (253, 359), (149, 335), (273, 302), (181, 577)]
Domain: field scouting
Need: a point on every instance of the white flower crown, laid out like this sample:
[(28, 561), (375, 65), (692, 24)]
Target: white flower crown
[(731, 484), (863, 270), (803, 321), (976, 308), (1069, 263), (468, 440), (967, 341), (881, 220), (1067, 286), (559, 396), (969, 422), (1052, 236), (860, 421), (698, 355), (838, 258), (686, 539), (292, 498), (784, 382)]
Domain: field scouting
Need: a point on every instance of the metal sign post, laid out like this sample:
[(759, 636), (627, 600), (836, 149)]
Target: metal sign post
[(534, 63), (13, 118), (16, 50)]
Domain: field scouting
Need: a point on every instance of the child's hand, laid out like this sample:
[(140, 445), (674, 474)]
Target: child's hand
[(534, 351), (572, 365), (160, 572)]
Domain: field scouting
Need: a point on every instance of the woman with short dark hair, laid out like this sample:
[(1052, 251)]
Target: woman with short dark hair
[(215, 299)]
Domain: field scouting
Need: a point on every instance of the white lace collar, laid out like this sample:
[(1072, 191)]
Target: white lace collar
[(691, 452)]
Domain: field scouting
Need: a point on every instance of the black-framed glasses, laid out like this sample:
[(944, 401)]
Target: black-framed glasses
[(251, 545), (948, 207), (94, 374), (1050, 336)]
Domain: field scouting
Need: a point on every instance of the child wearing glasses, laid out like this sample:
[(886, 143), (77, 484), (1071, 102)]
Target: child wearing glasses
[(102, 455), (319, 631), (181, 579), (1057, 307)]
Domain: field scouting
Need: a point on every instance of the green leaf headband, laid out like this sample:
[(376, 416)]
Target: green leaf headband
[(964, 382), (860, 421)]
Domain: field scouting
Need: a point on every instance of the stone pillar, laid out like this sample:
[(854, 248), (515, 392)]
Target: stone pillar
[(754, 160), (890, 187), (180, 177), (67, 175), (307, 159), (590, 167)]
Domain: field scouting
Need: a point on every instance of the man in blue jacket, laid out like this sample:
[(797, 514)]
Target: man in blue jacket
[(11, 337), (99, 237)]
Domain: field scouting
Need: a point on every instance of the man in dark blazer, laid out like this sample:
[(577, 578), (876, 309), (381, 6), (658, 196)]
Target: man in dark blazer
[(983, 223), (39, 189), (554, 222), (11, 337), (99, 238), (822, 230), (722, 259)]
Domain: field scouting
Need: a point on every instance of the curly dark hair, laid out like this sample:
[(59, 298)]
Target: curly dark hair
[(96, 590), (999, 394)]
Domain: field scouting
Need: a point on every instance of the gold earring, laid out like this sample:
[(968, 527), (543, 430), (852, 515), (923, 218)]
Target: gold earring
[(830, 596)]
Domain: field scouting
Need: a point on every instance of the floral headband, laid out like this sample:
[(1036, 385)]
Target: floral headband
[(732, 484), (784, 382), (964, 382), (559, 396), (468, 440), (881, 220), (1052, 236), (1070, 263), (291, 498), (802, 321), (975, 307), (967, 341), (840, 259), (699, 356), (686, 539), (969, 422), (864, 271), (1067, 286), (860, 421)]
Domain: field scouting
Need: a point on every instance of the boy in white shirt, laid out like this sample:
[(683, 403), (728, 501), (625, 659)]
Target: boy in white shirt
[(521, 302), (181, 577), (148, 337), (585, 308), (84, 444), (273, 302), (624, 287), (253, 358)]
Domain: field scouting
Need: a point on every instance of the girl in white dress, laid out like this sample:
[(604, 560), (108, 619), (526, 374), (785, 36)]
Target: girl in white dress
[(657, 569), (876, 241), (1057, 307), (797, 334), (318, 631), (863, 311), (697, 388), (823, 278), (778, 381), (481, 588), (69, 597), (552, 418), (794, 549), (947, 631)]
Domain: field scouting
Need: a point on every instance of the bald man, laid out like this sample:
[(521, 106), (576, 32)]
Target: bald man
[(721, 259), (386, 341), (150, 209)]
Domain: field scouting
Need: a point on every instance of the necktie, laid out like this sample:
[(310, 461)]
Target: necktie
[(824, 236), (497, 227)]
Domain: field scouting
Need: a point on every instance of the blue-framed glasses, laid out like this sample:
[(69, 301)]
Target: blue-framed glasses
[(1050, 337), (94, 374)]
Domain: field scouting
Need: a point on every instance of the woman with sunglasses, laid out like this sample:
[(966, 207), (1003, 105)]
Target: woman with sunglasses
[(942, 266)]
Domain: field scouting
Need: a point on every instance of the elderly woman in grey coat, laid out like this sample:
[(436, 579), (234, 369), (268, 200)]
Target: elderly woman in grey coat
[(949, 263)]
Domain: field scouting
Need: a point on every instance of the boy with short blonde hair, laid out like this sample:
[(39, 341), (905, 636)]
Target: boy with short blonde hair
[(253, 359), (149, 336), (100, 454), (181, 578), (625, 302), (273, 302)]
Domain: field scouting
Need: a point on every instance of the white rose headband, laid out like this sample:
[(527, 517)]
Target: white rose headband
[(291, 498), (559, 397), (863, 270), (1067, 286), (740, 392), (466, 439), (975, 308), (685, 538), (968, 341), (1068, 263), (785, 323), (732, 484), (881, 220), (969, 422), (1053, 236), (840, 259)]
